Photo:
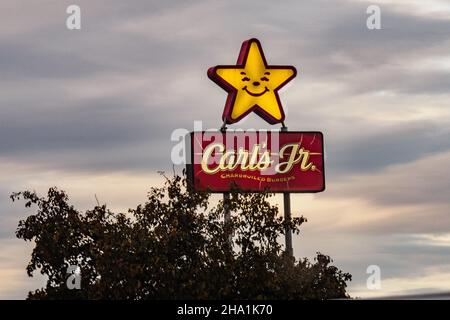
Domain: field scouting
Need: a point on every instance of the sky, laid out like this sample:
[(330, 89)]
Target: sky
[(92, 111)]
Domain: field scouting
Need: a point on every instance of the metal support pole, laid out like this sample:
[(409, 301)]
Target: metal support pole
[(287, 214), (226, 195), (226, 201), (287, 217), (226, 213)]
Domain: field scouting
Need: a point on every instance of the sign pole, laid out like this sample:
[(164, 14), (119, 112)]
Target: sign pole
[(226, 209), (226, 198), (287, 217), (287, 214)]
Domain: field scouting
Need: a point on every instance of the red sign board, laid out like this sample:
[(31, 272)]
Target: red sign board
[(254, 161)]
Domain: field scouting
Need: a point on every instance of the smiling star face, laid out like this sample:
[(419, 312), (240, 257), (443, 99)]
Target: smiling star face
[(254, 88), (252, 85)]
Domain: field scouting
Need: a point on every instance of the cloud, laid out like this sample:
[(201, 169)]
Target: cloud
[(389, 145), (92, 112), (14, 257), (421, 182), (434, 280)]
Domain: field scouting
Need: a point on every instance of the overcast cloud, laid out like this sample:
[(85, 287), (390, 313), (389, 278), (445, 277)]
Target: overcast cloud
[(92, 111)]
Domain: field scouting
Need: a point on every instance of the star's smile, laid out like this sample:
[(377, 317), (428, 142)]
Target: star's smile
[(255, 94)]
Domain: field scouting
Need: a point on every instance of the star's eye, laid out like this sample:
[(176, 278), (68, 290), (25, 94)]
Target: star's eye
[(245, 79), (264, 79)]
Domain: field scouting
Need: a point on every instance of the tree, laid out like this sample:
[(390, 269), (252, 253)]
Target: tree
[(175, 246)]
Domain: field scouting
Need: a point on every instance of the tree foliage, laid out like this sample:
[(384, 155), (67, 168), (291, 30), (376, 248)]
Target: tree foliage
[(175, 246)]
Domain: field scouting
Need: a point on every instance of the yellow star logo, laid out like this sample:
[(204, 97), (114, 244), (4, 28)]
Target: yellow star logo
[(252, 85)]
